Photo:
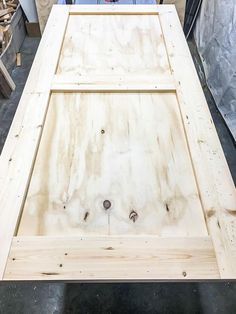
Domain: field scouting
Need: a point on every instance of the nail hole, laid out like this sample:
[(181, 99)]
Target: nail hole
[(106, 204), (102, 131), (133, 215), (13, 259), (66, 254), (60, 265), (184, 273), (64, 207)]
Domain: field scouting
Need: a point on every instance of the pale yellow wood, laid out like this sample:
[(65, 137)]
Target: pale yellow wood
[(114, 45), (19, 151), (215, 183), (43, 9), (128, 148), (180, 7), (153, 153), (111, 258), (116, 81), (119, 9), (118, 87)]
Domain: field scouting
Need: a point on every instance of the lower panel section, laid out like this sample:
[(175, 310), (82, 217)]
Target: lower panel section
[(111, 258)]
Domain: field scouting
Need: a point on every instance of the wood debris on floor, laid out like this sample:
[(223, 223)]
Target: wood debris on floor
[(7, 9)]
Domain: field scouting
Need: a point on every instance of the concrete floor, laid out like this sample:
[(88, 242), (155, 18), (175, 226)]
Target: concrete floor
[(58, 298)]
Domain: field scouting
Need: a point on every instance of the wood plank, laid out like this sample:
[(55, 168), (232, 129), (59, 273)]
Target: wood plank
[(215, 183), (91, 88), (119, 9), (6, 83), (113, 258), (128, 148), (180, 7), (66, 79), (44, 8), (19, 151)]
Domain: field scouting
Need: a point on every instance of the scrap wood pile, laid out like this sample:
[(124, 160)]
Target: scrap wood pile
[(7, 9)]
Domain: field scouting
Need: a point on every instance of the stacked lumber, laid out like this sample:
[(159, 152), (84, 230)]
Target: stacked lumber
[(7, 9)]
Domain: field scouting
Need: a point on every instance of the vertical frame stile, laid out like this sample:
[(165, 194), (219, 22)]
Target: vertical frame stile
[(19, 152), (208, 159)]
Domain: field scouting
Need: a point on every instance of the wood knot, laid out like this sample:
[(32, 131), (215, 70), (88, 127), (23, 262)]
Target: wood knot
[(106, 204), (210, 213), (86, 216), (133, 215)]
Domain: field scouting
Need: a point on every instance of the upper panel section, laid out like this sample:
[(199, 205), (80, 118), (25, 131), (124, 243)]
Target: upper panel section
[(114, 45)]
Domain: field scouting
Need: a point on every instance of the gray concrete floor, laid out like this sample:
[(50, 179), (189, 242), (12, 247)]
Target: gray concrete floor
[(33, 297)]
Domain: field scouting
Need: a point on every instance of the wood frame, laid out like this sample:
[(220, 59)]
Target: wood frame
[(101, 258)]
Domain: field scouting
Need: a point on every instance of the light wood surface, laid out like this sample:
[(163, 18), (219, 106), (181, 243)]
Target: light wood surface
[(180, 7), (43, 10), (116, 258), (127, 148), (105, 152), (123, 50), (20, 149)]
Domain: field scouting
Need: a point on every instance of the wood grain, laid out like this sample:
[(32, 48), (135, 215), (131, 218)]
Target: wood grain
[(113, 45), (114, 162), (20, 149), (43, 9), (128, 148), (111, 258)]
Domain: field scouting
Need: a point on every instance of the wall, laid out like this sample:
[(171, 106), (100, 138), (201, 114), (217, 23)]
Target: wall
[(215, 35)]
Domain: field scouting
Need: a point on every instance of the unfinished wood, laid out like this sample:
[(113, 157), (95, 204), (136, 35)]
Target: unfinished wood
[(180, 7), (6, 83), (127, 148), (116, 88), (113, 45), (117, 159), (43, 9), (215, 183), (114, 9), (103, 258), (19, 151)]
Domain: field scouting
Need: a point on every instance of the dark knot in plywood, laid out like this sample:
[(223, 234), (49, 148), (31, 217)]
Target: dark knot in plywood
[(106, 204), (133, 215), (86, 216), (167, 208)]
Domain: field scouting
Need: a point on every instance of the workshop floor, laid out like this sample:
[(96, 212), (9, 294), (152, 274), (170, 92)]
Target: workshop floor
[(58, 298)]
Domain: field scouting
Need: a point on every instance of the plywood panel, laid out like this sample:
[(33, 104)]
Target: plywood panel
[(114, 45), (127, 148)]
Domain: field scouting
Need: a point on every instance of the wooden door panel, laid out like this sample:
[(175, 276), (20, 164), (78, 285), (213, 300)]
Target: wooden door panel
[(112, 169), (114, 45), (129, 149)]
